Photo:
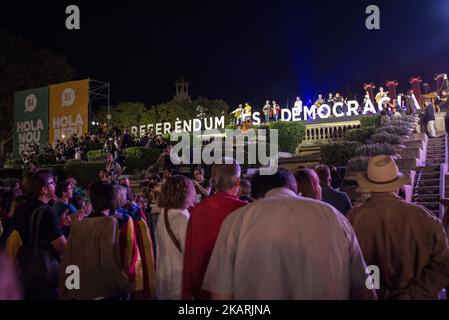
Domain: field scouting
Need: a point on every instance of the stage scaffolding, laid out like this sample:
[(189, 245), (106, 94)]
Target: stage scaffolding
[(99, 91)]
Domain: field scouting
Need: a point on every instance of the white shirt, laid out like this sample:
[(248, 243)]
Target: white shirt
[(286, 247), (298, 104), (170, 261)]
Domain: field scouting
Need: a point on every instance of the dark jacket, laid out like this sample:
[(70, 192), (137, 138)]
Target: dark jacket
[(429, 113)]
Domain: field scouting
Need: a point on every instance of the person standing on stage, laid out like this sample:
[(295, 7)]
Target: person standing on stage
[(276, 110), (298, 106), (267, 111)]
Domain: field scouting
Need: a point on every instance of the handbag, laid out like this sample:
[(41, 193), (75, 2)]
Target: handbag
[(38, 262)]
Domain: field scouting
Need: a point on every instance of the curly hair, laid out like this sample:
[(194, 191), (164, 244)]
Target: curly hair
[(176, 193)]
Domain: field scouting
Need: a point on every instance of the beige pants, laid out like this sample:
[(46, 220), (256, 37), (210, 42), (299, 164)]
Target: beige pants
[(431, 128)]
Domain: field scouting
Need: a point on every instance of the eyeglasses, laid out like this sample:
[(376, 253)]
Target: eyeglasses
[(49, 183)]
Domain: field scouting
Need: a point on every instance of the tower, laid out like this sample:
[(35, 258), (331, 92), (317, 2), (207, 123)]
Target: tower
[(182, 91)]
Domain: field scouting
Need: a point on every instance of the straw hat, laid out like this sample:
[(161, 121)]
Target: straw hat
[(382, 175)]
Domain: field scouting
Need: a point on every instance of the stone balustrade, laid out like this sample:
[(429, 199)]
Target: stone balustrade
[(328, 132)]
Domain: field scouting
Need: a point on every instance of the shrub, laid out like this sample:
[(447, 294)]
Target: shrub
[(400, 131), (140, 158), (15, 163), (408, 118), (84, 172), (371, 150), (338, 154), (361, 134), (401, 123), (358, 164), (385, 137), (370, 121), (290, 135), (95, 155), (94, 146)]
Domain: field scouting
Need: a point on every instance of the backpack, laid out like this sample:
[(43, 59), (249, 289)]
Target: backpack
[(38, 262)]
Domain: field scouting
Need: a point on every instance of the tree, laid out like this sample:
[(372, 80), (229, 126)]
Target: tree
[(126, 114), (23, 66)]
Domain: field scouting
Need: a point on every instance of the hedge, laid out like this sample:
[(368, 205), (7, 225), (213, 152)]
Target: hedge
[(290, 135), (369, 121), (84, 172), (140, 158), (15, 163), (361, 134), (95, 155), (338, 154), (371, 150)]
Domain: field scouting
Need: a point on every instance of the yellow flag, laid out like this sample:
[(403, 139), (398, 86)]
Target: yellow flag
[(68, 110)]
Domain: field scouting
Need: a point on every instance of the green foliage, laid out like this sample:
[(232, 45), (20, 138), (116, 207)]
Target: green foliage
[(84, 172), (94, 146), (371, 150), (408, 118), (361, 134), (127, 114), (139, 158), (358, 164), (290, 135), (44, 159), (400, 131), (95, 155), (370, 121), (401, 123), (15, 163), (338, 154), (385, 137), (23, 66)]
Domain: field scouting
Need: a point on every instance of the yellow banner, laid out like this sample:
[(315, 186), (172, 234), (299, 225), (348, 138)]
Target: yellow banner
[(68, 110)]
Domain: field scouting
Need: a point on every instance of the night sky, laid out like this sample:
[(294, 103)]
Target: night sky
[(239, 50)]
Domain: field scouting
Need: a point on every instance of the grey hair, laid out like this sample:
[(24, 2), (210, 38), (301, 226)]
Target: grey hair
[(225, 176)]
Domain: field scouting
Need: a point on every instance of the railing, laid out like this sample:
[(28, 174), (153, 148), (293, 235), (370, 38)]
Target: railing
[(443, 171), (328, 132)]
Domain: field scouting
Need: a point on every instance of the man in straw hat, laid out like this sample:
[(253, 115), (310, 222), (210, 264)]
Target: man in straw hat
[(406, 241)]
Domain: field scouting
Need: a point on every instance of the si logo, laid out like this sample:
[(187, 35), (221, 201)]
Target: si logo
[(68, 97), (30, 103)]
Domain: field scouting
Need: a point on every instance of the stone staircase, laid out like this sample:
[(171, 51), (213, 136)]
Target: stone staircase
[(426, 190)]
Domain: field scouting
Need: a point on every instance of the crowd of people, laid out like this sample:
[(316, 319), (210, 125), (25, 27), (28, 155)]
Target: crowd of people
[(291, 235), (114, 141)]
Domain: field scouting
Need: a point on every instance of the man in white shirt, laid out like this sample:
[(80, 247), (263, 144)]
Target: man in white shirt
[(297, 107), (286, 247)]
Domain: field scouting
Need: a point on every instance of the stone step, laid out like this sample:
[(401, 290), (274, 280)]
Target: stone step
[(427, 197), (429, 182), (430, 175), (429, 205), (427, 189), (430, 168)]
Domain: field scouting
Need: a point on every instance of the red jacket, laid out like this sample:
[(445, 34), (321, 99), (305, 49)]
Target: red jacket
[(202, 232)]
